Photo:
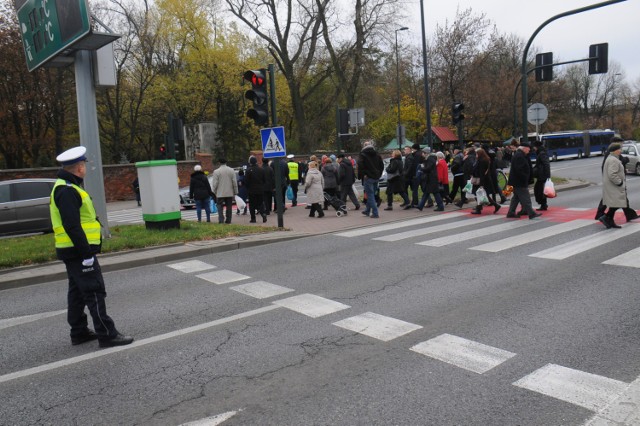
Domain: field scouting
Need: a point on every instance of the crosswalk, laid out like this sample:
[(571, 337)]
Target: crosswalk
[(494, 234), (593, 392)]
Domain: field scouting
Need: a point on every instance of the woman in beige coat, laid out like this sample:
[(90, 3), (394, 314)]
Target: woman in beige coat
[(313, 184), (614, 190)]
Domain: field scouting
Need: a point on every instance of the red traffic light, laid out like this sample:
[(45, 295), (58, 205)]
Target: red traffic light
[(255, 77)]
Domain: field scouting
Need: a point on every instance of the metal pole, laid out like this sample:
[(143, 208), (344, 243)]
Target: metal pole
[(613, 102), (276, 166), (427, 97), (90, 135), (400, 141), (523, 68)]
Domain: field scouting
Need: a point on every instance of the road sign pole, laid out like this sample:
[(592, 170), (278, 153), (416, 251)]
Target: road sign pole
[(90, 136), (276, 168)]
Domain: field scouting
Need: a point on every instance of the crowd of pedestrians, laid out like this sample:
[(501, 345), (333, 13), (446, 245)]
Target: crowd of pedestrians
[(329, 182)]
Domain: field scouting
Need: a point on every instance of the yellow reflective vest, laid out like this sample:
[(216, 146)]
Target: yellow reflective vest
[(88, 219), (293, 170)]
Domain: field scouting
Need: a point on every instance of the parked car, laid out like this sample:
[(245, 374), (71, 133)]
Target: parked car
[(631, 150), (24, 206)]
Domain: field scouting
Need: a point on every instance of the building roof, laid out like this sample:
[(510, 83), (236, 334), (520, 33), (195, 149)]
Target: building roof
[(444, 134)]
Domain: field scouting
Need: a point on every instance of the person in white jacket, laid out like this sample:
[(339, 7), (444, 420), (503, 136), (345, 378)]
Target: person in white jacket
[(225, 186), (313, 184)]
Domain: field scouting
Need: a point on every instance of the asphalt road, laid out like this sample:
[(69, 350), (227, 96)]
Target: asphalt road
[(354, 328)]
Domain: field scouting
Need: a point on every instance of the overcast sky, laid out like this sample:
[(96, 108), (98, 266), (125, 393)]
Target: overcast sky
[(568, 38)]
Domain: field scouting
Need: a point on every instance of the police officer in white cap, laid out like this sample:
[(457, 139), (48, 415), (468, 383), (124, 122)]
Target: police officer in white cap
[(78, 239)]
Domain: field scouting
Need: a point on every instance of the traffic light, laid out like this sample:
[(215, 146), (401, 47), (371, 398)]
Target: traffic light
[(599, 58), (163, 151), (456, 112), (258, 94), (545, 63)]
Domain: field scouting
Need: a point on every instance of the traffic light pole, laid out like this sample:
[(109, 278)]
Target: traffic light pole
[(276, 166), (523, 68)]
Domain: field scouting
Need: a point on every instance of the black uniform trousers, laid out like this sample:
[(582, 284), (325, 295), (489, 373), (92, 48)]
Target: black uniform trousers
[(86, 288)]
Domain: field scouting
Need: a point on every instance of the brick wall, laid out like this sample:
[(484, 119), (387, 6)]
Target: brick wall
[(117, 177)]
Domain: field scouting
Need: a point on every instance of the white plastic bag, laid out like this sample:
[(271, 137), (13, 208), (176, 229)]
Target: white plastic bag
[(481, 197), (549, 190), (240, 204), (355, 190), (468, 187)]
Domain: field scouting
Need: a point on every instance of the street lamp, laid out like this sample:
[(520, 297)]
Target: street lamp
[(400, 141), (613, 101)]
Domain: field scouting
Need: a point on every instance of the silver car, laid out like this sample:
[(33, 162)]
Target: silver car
[(24, 206), (631, 150)]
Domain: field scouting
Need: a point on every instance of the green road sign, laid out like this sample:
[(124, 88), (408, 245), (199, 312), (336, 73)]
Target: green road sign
[(50, 26)]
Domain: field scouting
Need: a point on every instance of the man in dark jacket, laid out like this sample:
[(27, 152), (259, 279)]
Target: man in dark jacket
[(370, 167), (519, 176), (458, 176), (78, 239), (542, 172), (269, 186), (254, 181), (200, 192), (411, 163), (346, 179)]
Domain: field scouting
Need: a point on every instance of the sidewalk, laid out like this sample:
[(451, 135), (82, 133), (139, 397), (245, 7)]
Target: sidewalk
[(296, 221)]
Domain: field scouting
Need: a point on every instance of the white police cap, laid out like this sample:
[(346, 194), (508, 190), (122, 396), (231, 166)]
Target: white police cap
[(72, 156), (290, 156)]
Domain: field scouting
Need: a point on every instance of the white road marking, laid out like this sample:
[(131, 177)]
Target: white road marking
[(463, 353), (438, 228), (10, 322), (528, 237), (377, 326), (212, 421), (311, 305), (481, 232), (630, 258), (397, 225), (261, 289), (577, 209), (581, 245), (191, 266), (587, 390), (623, 411), (222, 276), (135, 344)]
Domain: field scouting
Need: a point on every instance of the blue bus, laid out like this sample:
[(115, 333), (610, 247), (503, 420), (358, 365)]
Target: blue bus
[(576, 143)]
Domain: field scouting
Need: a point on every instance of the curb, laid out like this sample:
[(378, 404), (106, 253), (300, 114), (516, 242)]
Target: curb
[(54, 271)]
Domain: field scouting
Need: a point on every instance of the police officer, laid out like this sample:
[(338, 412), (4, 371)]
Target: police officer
[(78, 239), (294, 178)]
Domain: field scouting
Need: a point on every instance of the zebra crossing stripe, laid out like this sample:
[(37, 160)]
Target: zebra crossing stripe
[(463, 353), (630, 258), (528, 237), (377, 326), (581, 245), (438, 228), (475, 233), (587, 390), (397, 225)]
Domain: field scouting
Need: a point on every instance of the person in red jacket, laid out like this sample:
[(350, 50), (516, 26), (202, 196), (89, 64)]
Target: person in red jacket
[(443, 176)]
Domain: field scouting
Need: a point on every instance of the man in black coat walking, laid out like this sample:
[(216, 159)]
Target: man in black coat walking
[(346, 179), (254, 180), (542, 172), (519, 176)]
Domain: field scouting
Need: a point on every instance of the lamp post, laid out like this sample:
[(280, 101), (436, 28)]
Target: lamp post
[(400, 141), (613, 101)]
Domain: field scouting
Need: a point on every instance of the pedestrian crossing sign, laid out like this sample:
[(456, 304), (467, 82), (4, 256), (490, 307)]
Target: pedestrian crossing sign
[(273, 142)]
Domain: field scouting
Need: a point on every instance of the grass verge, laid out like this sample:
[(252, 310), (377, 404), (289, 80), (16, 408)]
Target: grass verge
[(31, 250)]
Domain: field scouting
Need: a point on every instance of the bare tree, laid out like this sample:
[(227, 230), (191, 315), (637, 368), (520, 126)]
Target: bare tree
[(291, 33)]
